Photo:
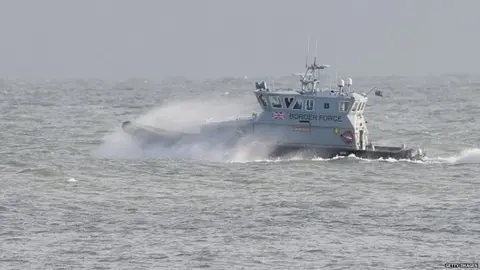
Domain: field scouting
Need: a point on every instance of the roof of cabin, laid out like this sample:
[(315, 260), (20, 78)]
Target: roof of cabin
[(320, 94)]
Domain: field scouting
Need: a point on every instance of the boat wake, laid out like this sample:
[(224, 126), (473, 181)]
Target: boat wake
[(187, 116), (467, 156)]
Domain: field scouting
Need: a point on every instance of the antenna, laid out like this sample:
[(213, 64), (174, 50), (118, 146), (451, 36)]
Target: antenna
[(315, 59), (308, 52)]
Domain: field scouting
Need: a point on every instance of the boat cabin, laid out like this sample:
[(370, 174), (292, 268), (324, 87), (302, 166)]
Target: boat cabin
[(310, 115)]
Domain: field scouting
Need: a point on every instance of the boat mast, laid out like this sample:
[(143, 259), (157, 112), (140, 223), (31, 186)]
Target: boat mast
[(311, 77)]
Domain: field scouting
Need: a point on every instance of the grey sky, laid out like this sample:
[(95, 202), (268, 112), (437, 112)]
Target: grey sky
[(212, 38)]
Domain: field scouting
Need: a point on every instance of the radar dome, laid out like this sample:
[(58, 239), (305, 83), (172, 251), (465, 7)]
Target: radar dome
[(341, 83), (349, 82)]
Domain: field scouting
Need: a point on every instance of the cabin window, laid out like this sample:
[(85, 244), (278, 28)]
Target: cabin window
[(354, 107), (326, 105), (345, 106), (309, 104), (275, 101), (288, 101), (363, 105), (298, 105), (262, 100)]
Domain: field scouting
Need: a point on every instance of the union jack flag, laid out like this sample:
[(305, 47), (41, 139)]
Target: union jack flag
[(278, 115)]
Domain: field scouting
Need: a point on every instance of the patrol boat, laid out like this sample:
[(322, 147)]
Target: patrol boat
[(308, 121)]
